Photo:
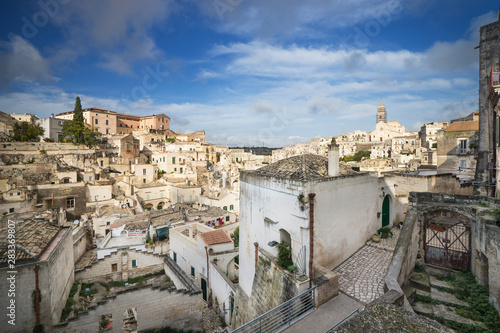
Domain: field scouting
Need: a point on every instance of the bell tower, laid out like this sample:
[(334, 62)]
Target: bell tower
[(381, 113)]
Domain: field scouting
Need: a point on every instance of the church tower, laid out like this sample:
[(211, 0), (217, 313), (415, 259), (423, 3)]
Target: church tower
[(381, 113)]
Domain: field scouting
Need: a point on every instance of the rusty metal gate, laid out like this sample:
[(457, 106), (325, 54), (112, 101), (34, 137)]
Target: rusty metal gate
[(447, 243)]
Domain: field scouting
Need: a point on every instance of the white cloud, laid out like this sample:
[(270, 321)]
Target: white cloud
[(119, 31), (21, 61)]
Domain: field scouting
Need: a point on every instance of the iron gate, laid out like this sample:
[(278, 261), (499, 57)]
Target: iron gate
[(447, 243)]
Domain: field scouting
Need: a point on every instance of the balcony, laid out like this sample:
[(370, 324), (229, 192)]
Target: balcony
[(494, 79)]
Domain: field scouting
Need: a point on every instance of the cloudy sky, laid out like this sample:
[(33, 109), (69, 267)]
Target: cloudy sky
[(248, 72)]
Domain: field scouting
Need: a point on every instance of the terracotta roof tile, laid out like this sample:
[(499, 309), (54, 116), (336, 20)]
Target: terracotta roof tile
[(216, 237), (460, 126)]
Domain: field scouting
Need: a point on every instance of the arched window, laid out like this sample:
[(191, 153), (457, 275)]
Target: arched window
[(231, 207), (225, 208)]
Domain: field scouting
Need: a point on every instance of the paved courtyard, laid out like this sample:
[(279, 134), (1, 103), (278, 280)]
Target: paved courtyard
[(362, 275)]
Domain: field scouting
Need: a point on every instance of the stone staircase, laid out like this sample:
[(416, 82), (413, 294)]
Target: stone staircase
[(430, 295)]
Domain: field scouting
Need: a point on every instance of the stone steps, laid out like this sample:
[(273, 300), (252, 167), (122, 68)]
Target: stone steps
[(420, 281)]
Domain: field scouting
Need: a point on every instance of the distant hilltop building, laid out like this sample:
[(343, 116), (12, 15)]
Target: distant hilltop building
[(381, 113), (111, 122), (385, 130)]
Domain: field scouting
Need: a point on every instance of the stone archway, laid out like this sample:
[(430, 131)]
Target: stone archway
[(447, 239)]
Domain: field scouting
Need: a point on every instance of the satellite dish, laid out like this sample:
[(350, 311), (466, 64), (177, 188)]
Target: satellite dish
[(76, 222)]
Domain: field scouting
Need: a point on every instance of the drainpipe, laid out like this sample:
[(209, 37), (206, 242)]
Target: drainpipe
[(256, 253), (37, 296), (311, 236), (208, 271)]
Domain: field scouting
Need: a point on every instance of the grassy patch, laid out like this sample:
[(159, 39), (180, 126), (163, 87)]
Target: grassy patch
[(466, 289), (426, 299), (137, 279), (418, 268)]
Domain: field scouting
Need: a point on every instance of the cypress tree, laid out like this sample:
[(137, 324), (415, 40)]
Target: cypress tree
[(78, 113)]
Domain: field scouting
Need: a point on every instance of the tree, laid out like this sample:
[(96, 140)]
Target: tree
[(78, 113), (24, 131), (76, 131), (236, 236)]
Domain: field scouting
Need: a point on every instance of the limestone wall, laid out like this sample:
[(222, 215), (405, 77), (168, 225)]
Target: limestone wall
[(102, 270), (156, 307), (55, 281), (272, 286), (60, 274)]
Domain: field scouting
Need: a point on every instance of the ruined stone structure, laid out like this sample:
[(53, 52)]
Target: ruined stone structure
[(453, 231)]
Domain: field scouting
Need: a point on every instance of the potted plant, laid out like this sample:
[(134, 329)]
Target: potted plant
[(436, 226), (384, 232), (376, 238)]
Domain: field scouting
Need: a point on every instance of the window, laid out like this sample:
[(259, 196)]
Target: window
[(97, 121), (107, 122), (102, 163), (180, 170), (144, 180), (192, 271), (231, 207), (463, 164), (121, 125), (173, 160), (11, 194), (114, 267), (70, 203), (11, 210), (227, 218), (66, 180), (175, 257), (107, 130), (143, 172), (462, 146), (225, 208), (134, 263), (108, 223)]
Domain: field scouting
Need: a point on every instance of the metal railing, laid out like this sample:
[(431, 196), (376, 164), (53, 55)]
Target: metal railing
[(344, 319), (282, 316)]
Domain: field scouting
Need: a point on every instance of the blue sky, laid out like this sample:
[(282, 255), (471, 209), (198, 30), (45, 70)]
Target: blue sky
[(247, 72)]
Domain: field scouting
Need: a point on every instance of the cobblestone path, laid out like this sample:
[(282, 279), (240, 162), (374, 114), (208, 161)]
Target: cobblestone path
[(362, 275)]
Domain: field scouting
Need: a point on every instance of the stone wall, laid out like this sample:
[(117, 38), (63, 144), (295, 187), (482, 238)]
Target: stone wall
[(60, 274), (146, 263), (156, 307), (272, 286), (489, 56)]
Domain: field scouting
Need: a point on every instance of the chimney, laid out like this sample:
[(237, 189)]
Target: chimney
[(333, 159), (52, 115)]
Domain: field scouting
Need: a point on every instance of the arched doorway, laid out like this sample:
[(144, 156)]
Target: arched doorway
[(285, 237), (386, 211)]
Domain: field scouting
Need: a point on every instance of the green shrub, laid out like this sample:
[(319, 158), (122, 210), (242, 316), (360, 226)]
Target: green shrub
[(284, 255)]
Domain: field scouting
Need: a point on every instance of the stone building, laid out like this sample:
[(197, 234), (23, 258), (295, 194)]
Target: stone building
[(111, 122), (127, 145), (275, 202), (457, 148), (6, 125), (208, 257), (52, 127), (429, 132), (42, 274)]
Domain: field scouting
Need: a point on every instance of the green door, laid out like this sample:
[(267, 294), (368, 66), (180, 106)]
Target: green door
[(386, 207), (204, 288)]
